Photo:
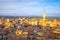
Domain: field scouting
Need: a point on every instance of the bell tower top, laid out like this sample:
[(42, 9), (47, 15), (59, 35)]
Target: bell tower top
[(44, 15)]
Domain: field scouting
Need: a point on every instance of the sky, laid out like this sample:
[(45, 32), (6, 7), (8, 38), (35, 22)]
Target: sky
[(29, 7)]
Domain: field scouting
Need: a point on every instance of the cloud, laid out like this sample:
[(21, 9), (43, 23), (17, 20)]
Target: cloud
[(6, 0), (28, 7)]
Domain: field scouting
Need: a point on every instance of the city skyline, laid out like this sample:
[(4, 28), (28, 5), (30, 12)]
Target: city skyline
[(29, 7)]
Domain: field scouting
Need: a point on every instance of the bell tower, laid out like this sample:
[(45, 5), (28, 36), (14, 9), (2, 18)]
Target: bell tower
[(44, 18), (44, 15)]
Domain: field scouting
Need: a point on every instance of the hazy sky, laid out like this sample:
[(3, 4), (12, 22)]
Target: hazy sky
[(29, 7)]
